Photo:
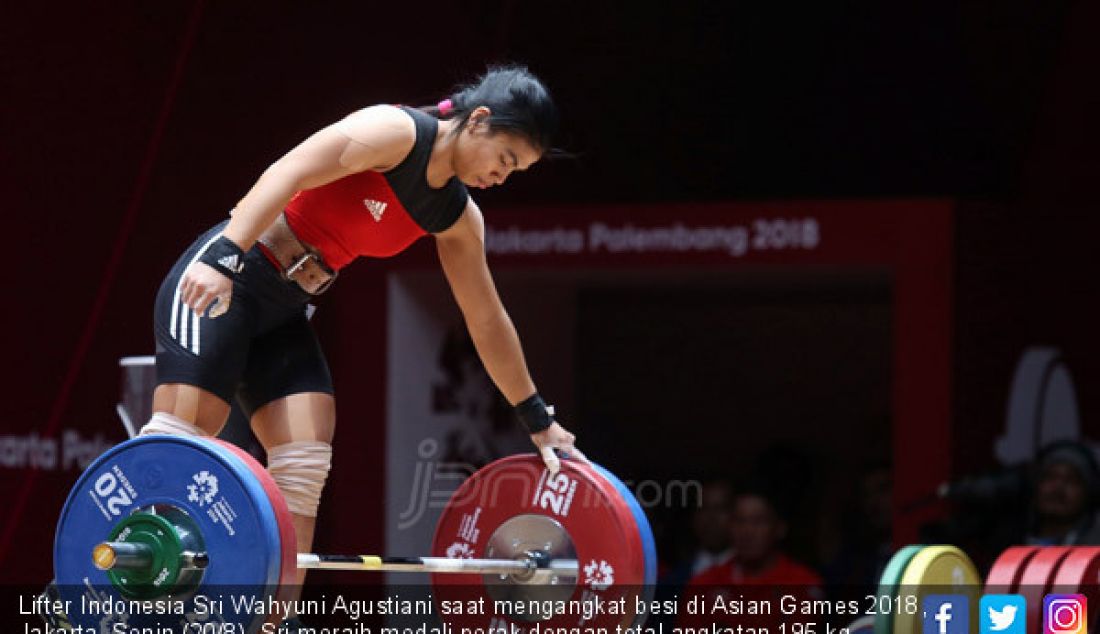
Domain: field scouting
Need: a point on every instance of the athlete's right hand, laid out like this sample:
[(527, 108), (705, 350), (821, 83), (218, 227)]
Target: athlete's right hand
[(555, 439), (202, 285)]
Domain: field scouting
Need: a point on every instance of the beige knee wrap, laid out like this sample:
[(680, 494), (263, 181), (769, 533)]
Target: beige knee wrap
[(300, 469), (162, 423)]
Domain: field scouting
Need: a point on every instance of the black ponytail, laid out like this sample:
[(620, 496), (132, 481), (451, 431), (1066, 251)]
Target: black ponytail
[(518, 102)]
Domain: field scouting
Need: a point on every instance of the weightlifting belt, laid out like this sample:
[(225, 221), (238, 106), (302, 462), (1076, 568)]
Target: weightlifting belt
[(300, 262)]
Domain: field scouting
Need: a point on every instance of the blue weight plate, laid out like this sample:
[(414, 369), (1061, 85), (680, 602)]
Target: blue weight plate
[(648, 543), (226, 504)]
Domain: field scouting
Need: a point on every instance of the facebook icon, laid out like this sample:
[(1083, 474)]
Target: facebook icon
[(946, 614)]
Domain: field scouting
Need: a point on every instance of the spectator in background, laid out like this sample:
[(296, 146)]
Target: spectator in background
[(710, 542), (1053, 501), (795, 482), (865, 543), (710, 527), (1067, 485), (709, 531), (759, 570)]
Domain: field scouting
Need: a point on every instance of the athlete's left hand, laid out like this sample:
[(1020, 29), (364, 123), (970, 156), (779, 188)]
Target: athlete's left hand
[(553, 440)]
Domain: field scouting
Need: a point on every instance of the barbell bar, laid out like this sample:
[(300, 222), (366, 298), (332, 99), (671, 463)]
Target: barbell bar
[(142, 557)]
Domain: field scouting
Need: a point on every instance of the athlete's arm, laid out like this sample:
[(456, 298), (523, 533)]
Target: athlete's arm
[(374, 138), (371, 139), (462, 253)]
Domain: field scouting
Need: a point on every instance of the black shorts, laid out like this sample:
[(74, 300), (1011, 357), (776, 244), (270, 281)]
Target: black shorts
[(261, 350)]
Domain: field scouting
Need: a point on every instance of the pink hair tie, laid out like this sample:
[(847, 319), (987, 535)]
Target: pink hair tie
[(445, 107)]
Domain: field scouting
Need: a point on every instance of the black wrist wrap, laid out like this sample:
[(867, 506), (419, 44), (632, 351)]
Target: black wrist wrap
[(224, 255), (534, 414)]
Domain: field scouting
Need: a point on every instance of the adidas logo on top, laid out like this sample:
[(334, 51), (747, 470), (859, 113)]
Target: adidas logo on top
[(232, 262), (376, 208)]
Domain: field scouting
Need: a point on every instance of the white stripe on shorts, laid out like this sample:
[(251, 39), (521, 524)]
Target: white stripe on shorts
[(180, 333)]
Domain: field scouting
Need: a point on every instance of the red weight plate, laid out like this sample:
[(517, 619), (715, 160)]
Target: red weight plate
[(1080, 569), (587, 512), (1005, 575), (1039, 574), (288, 571), (1080, 574)]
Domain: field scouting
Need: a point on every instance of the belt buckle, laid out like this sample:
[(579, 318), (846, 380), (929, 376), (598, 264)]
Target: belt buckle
[(297, 265)]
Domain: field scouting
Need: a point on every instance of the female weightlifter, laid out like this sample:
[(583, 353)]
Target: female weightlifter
[(230, 318)]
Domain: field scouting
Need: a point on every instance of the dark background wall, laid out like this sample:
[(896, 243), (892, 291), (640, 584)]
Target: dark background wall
[(128, 129)]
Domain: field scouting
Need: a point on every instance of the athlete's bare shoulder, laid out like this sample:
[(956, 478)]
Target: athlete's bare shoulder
[(386, 134)]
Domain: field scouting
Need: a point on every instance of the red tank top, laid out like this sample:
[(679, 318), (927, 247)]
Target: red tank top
[(377, 214)]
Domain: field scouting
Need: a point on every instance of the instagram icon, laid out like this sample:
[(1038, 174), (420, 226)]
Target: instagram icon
[(1065, 614)]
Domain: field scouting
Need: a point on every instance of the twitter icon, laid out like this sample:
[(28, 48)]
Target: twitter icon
[(1003, 614)]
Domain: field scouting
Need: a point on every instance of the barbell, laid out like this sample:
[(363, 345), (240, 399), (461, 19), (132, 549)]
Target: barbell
[(172, 522)]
